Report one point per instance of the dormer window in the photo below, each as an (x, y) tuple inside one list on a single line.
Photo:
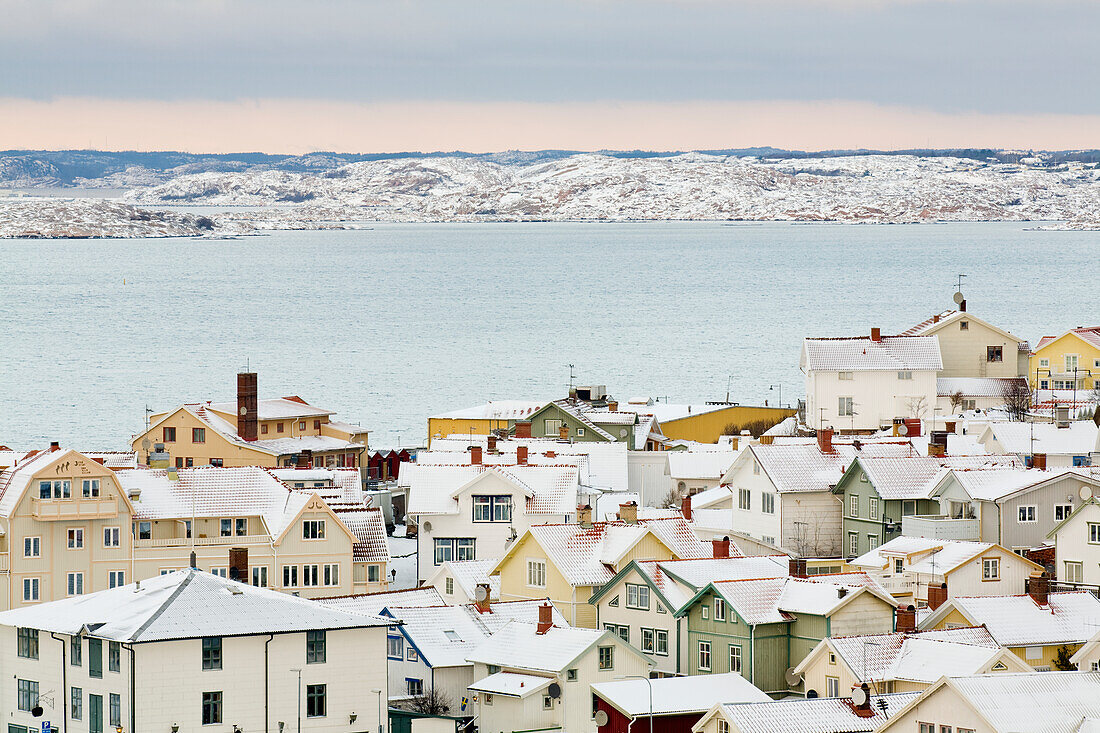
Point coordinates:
[(493, 508)]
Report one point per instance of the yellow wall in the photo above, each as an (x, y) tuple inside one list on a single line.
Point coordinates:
[(707, 427), (1056, 352), (1050, 653), (215, 446), (444, 426)]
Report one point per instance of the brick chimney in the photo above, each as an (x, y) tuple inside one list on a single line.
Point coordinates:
[(305, 458), (876, 334), (483, 602), (685, 507), (937, 595), (491, 443), (521, 455), (1038, 587), (628, 512), (906, 619), (720, 548), (563, 432), (864, 709), (733, 442), (475, 455), (523, 429), (937, 449), (584, 515), (1039, 461), (55, 446), (546, 618), (796, 567), (247, 406), (825, 440)]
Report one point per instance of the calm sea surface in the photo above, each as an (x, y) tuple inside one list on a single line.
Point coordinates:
[(390, 325)]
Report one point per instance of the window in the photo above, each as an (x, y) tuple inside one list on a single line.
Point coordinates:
[(1062, 511), (723, 727), (30, 589), (908, 508), (580, 432), (76, 539), (301, 425), (547, 702), (905, 374), (76, 703), (845, 376), (755, 466), (1094, 533), (32, 546), (411, 655), (115, 709), (832, 687), (607, 657), (571, 675), (991, 568), (316, 424), (54, 489), (662, 642), (217, 462), (227, 528), (114, 656), (899, 565), (145, 530), (212, 652), (278, 427), (264, 429), (744, 499), (211, 708), (494, 668), (240, 526), (447, 548), (853, 505), (623, 632), (414, 686), (75, 584), (1025, 514), (111, 536), (116, 578), (927, 727), (872, 507), (719, 609), (647, 640), (76, 650), (1044, 363), (310, 576), (964, 325), (493, 508), (551, 428), (1074, 571), (735, 658), (853, 544), (313, 529), (316, 706), (179, 463), (395, 647), (374, 574), (90, 488), (259, 576), (27, 695), (331, 574), (872, 542), (169, 435), (1072, 360), (27, 643), (767, 503), (488, 698), (315, 647), (637, 596), (845, 407), (704, 611), (704, 656), (536, 573), (290, 576), (95, 658)]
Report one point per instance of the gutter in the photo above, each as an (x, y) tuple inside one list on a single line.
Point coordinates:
[(64, 683)]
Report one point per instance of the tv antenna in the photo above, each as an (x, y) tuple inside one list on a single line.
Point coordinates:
[(571, 376)]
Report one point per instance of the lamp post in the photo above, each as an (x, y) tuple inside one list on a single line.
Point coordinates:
[(779, 388), (299, 671), (379, 693), (648, 682)]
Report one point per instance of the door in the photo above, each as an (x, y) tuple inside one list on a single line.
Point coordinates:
[(95, 713)]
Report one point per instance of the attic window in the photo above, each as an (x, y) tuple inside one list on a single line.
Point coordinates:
[(964, 325), (452, 635)]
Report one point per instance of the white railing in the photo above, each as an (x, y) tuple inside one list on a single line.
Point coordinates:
[(77, 508), (940, 527), (245, 540)]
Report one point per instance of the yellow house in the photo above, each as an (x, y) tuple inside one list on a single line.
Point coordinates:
[(706, 423), (568, 562), (1059, 360), (283, 431), (481, 419)]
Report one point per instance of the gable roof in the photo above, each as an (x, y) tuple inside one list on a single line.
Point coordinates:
[(937, 322), (1070, 617), (433, 487), (676, 581), (467, 574), (372, 604), (1026, 438), (677, 695), (996, 387), (1089, 334), (15, 481), (860, 353), (798, 467), (1001, 485), (914, 477), (577, 410), (518, 645), (938, 557), (817, 715), (274, 408), (493, 410), (699, 464), (184, 604), (1091, 501)]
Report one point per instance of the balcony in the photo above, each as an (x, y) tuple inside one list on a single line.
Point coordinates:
[(898, 585), (53, 510), (940, 527), (236, 541)]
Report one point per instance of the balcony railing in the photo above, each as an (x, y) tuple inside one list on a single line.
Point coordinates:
[(52, 510), (940, 527), (5, 563), (898, 584), (236, 541)]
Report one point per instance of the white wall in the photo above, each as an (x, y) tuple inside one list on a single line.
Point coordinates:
[(879, 397), (1072, 545), (647, 473)]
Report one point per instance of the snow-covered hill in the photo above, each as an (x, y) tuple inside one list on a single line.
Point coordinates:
[(90, 218)]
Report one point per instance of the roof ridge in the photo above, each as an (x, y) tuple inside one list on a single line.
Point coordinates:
[(167, 602)]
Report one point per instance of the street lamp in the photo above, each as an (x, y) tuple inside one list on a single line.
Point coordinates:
[(778, 387), (379, 693), (649, 682), (299, 671)]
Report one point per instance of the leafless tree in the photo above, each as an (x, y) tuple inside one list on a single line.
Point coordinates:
[(957, 400), (1017, 399), (671, 500), (432, 702), (917, 406)]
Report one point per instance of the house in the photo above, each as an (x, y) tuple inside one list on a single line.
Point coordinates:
[(1069, 361), (862, 384), (189, 650), (640, 602), (956, 395), (675, 704), (285, 431), (878, 493), (694, 471), (1044, 629), (707, 422), (427, 650), (903, 661), (1076, 543), (569, 562), (974, 348), (921, 569), (760, 628), (481, 419), (539, 676), (815, 715), (592, 417), (457, 580), (1044, 444), (1054, 702), (372, 604), (474, 510)]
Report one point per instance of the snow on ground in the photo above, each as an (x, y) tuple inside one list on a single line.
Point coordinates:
[(405, 566), (51, 218)]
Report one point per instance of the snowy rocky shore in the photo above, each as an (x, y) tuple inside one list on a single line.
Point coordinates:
[(51, 218)]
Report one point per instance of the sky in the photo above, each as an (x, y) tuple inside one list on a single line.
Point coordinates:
[(487, 75)]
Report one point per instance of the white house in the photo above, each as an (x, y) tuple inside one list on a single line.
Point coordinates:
[(457, 580), (1077, 544), (695, 471), (815, 715), (863, 383), (1044, 444), (190, 651)]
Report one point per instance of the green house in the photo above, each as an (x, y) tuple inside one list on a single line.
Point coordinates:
[(580, 421)]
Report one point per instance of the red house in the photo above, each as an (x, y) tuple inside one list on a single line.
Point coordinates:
[(677, 703)]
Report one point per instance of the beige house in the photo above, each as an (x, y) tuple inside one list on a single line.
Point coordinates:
[(72, 526), (971, 347), (190, 651), (1077, 544)]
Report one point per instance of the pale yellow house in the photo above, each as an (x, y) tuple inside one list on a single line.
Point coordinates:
[(1058, 361), (973, 348), (481, 419)]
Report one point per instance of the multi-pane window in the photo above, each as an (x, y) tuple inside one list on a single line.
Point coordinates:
[(316, 703), (198, 435), (704, 656), (116, 578), (723, 727), (395, 647), (259, 576), (332, 574), (95, 658), (845, 407), (662, 642), (290, 576), (845, 376), (76, 650), (994, 353), (832, 687), (872, 541), (169, 435), (414, 687), (26, 695), (492, 508), (76, 539), (310, 575), (76, 703), (110, 536), (719, 609), (735, 658), (313, 529), (607, 657), (115, 702), (449, 584), (90, 488), (1062, 511), (1074, 571), (27, 643), (648, 640), (114, 656), (637, 596), (144, 530), (227, 528), (899, 565), (536, 573), (30, 589), (872, 507), (75, 584), (853, 505), (853, 543), (991, 568), (374, 574), (212, 652), (1025, 514), (241, 526), (55, 489), (1094, 533), (744, 499), (32, 546), (464, 548), (551, 428), (315, 647), (767, 503), (211, 708), (905, 375)]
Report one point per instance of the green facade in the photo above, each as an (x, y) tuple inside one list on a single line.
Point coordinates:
[(553, 412), (870, 530)]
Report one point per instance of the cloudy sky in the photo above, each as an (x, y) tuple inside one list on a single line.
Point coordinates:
[(382, 75)]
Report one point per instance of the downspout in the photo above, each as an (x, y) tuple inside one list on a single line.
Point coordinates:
[(64, 683), (679, 644), (133, 687), (752, 650), (267, 710)]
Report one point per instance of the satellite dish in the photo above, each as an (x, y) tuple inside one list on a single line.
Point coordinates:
[(554, 690), (244, 411), (427, 526), (36, 711), (600, 718), (958, 298), (1085, 493), (482, 593), (859, 697), (903, 429), (146, 445), (793, 678)]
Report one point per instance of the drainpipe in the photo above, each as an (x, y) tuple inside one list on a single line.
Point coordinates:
[(64, 683), (679, 644), (752, 650), (133, 687), (267, 711)]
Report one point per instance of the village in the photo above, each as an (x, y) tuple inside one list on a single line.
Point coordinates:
[(908, 543)]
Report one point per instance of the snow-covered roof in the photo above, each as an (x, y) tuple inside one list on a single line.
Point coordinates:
[(817, 715), (1039, 702), (773, 600), (996, 387), (113, 459), (604, 467), (994, 485), (678, 580), (15, 480), (369, 528), (1089, 334), (798, 467), (274, 408), (493, 410), (1025, 438), (372, 604), (1070, 617), (930, 325), (580, 411), (315, 443), (925, 554), (517, 645), (891, 353), (699, 464), (914, 477), (184, 604), (511, 684), (922, 656), (677, 695), (334, 485), (470, 573), (433, 488)]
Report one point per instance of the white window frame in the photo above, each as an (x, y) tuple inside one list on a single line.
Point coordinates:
[(313, 529), (311, 575), (744, 499), (330, 574), (1062, 511), (1074, 571), (991, 568), (872, 542), (290, 576), (1026, 514), (704, 654), (905, 375), (116, 578), (832, 687), (112, 536), (634, 596), (719, 609), (845, 376), (75, 538), (767, 502), (846, 406), (259, 576), (89, 488), (74, 583), (853, 544), (31, 590), (648, 640), (536, 572), (32, 547), (853, 506), (735, 658), (872, 507)]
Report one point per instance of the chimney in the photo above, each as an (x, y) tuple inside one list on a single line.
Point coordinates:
[(685, 508), (733, 442), (825, 440), (247, 406), (521, 455), (950, 426), (936, 318), (936, 449), (720, 548), (864, 709), (475, 455), (841, 592), (1039, 461), (55, 446), (194, 562), (796, 567), (937, 595), (912, 427), (906, 619), (876, 334), (563, 432), (584, 515), (523, 429), (546, 618), (1038, 587), (305, 458), (482, 601), (613, 406), (491, 443), (962, 306), (628, 512)]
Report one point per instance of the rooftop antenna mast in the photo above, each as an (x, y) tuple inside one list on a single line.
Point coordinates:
[(571, 376), (959, 281)]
